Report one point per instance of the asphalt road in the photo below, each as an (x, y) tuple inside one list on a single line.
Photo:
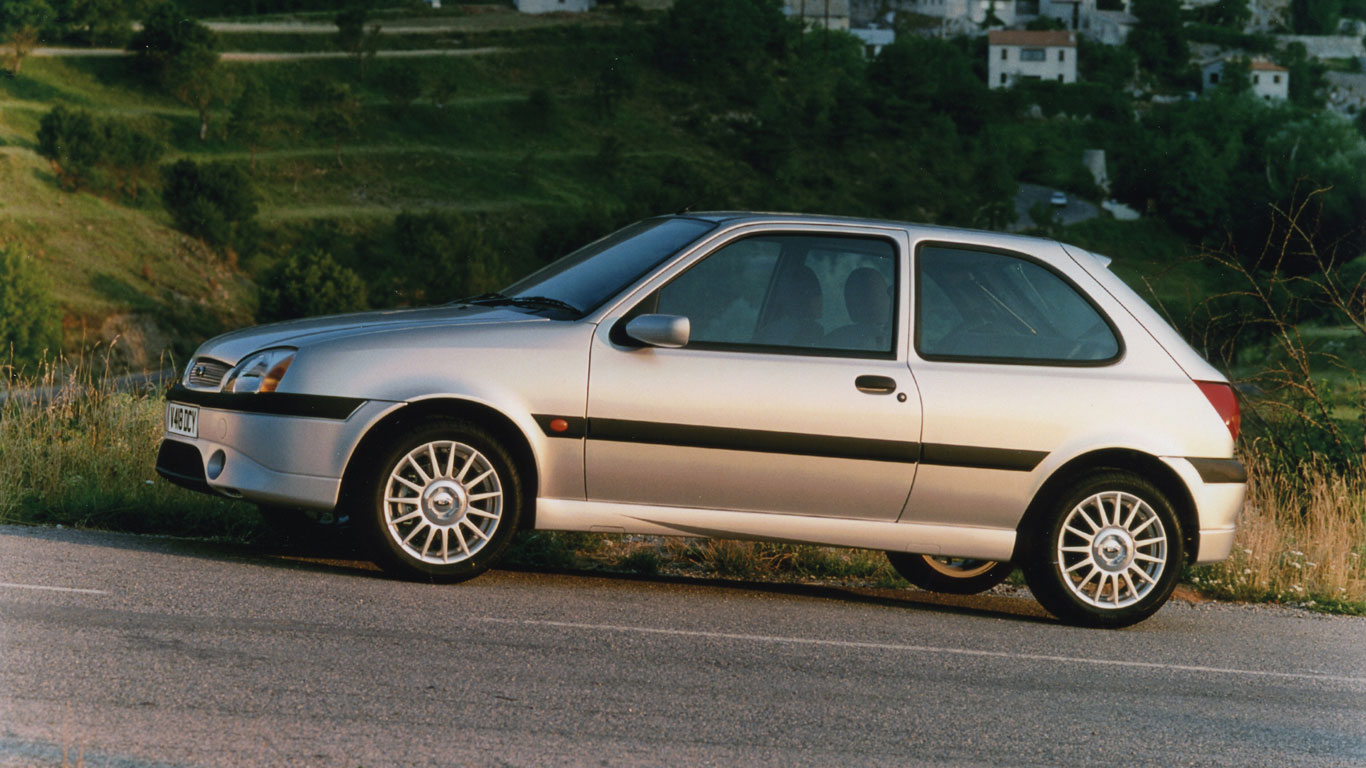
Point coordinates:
[(1074, 212), (136, 651)]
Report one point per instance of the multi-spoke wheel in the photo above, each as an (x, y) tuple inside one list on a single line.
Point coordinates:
[(446, 503), (955, 575), (1111, 552)]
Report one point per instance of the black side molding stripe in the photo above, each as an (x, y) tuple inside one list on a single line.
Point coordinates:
[(274, 403), (791, 443), (1008, 459), (761, 441), (1220, 470)]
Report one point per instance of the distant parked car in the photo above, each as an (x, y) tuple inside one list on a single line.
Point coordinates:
[(1058, 198), (966, 401)]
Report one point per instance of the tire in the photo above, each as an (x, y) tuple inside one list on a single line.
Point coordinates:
[(1107, 554), (441, 503), (954, 575)]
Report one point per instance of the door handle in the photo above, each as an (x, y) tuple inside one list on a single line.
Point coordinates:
[(875, 385)]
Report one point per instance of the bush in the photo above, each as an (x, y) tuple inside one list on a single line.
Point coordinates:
[(439, 257), (214, 202), (30, 321), (307, 284), (87, 152)]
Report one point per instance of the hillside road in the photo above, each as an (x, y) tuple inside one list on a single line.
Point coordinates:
[(142, 651)]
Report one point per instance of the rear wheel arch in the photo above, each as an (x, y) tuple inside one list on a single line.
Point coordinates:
[(1145, 465), (413, 415)]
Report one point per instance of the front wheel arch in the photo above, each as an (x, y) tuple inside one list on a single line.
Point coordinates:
[(1142, 464), (414, 414)]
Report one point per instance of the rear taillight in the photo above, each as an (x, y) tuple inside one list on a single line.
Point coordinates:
[(1220, 395)]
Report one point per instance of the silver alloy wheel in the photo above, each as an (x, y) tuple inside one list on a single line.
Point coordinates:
[(1112, 550), (959, 567), (442, 502)]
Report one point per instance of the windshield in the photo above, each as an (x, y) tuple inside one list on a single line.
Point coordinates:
[(600, 270)]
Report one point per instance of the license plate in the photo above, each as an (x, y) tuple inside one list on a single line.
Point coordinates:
[(182, 420)]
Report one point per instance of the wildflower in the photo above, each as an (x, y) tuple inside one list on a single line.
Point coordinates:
[(1247, 571), (1296, 553), (1247, 551), (1296, 566), (1309, 564)]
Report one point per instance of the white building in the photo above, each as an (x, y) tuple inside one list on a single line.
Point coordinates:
[(1269, 81), (830, 14), (1021, 54), (554, 6)]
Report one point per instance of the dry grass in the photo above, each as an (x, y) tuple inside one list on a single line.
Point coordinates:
[(1302, 539)]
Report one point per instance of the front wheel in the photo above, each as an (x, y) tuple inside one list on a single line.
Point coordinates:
[(442, 503), (1109, 554), (954, 575)]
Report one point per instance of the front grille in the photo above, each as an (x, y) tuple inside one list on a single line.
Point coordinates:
[(206, 374)]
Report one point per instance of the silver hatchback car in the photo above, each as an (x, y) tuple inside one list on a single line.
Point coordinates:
[(966, 401)]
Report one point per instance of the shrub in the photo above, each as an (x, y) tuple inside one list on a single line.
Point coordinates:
[(440, 257), (309, 283), (72, 142), (214, 202), (87, 152), (30, 321)]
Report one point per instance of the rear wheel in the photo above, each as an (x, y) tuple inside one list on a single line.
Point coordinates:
[(442, 502), (1109, 553), (955, 575)]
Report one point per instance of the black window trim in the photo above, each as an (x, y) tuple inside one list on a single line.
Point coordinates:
[(1035, 361), (618, 330)]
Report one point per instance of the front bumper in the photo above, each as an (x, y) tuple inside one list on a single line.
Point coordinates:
[(284, 451)]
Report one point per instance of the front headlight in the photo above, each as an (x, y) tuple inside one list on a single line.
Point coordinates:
[(260, 371)]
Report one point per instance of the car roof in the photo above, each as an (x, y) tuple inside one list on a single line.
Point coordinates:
[(918, 231)]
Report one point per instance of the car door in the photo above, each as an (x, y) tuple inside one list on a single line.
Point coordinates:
[(1013, 360), (793, 394)]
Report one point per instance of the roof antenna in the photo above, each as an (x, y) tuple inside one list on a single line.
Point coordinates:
[(685, 209)]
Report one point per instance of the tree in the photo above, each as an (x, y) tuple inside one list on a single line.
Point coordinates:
[(30, 321), (1307, 80), (307, 284), (250, 112), (735, 43), (1315, 17), (166, 33), (354, 39), (1158, 38), (336, 111), (1237, 75), (20, 23), (214, 202), (197, 81)]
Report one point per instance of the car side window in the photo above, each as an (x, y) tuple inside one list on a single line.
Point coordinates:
[(984, 305), (805, 294)]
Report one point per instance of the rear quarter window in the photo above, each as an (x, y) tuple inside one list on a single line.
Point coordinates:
[(977, 305)]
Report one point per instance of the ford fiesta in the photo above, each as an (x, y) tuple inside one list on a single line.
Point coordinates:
[(965, 401)]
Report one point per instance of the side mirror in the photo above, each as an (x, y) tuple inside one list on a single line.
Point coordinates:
[(669, 331)]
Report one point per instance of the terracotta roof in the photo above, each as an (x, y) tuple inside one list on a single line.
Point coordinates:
[(1265, 66), (1043, 38)]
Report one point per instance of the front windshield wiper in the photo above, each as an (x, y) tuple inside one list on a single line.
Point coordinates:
[(525, 302)]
